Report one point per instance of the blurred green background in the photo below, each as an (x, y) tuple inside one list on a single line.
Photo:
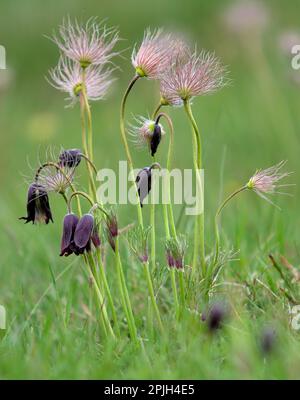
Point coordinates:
[(253, 123)]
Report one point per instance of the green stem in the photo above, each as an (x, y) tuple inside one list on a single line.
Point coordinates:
[(87, 144), (181, 288), (152, 296), (198, 166), (107, 290), (77, 194), (124, 294), (174, 288), (125, 143), (100, 298), (168, 207), (236, 192), (152, 224)]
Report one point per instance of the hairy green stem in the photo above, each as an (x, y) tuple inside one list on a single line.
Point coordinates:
[(108, 292), (152, 296), (199, 237), (125, 143), (124, 294)]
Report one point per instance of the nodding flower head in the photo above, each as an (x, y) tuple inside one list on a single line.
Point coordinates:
[(67, 241), (192, 75), (266, 181), (67, 77), (147, 133), (138, 242), (70, 158), (87, 44), (83, 233), (38, 207), (112, 230), (78, 234), (175, 250), (144, 180), (155, 54)]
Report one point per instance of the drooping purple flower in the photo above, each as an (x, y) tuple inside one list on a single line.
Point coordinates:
[(192, 75), (266, 181), (87, 44), (67, 77), (147, 133), (70, 158), (67, 241), (38, 207), (143, 182), (155, 54), (83, 233)]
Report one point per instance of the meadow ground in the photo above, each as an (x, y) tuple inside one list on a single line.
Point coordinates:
[(52, 329)]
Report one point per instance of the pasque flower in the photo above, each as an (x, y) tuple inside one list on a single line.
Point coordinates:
[(70, 158), (87, 44), (192, 75), (147, 133), (266, 181), (155, 54), (78, 234), (67, 77), (38, 207)]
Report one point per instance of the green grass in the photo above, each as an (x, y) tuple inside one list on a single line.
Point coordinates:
[(52, 327)]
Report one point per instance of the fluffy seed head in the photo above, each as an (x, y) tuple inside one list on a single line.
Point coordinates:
[(192, 75), (56, 180), (266, 181), (87, 44), (144, 131), (67, 77), (155, 54)]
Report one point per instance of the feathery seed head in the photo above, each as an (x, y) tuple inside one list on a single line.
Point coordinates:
[(266, 181), (87, 44), (67, 77), (155, 54), (192, 75), (147, 133)]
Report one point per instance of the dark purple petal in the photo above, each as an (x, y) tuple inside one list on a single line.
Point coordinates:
[(84, 231), (70, 158), (143, 182), (69, 226), (155, 140), (38, 207)]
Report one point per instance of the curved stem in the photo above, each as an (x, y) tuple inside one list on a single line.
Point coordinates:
[(79, 193), (236, 192), (125, 143), (199, 230), (89, 162), (156, 111)]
